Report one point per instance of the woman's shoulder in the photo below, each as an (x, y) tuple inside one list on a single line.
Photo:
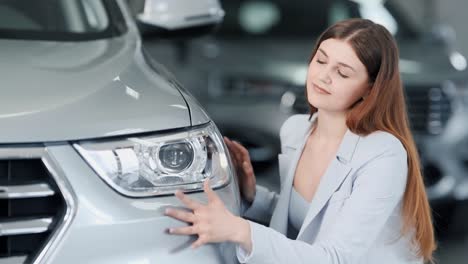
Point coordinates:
[(294, 125), (380, 160), (383, 140), (380, 143)]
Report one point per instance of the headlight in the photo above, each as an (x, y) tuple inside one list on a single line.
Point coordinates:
[(160, 164)]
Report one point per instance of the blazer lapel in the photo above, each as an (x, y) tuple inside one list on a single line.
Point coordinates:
[(279, 219), (331, 180), (337, 171)]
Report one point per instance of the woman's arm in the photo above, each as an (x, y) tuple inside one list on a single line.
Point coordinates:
[(261, 209), (378, 188)]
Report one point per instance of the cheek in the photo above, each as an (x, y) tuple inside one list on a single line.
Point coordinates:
[(312, 69), (351, 93), (311, 75), (348, 93)]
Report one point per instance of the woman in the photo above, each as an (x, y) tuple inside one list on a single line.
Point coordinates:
[(351, 186)]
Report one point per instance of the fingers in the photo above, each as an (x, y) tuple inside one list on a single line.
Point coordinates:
[(202, 218), (228, 142), (180, 215), (235, 153), (185, 230), (232, 146), (190, 230), (243, 163), (240, 153), (212, 196), (186, 200), (231, 150), (200, 242), (243, 151), (248, 168)]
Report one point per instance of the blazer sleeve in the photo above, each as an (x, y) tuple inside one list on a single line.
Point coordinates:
[(378, 189), (262, 207)]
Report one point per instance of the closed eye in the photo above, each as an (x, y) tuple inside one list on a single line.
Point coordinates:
[(342, 75)]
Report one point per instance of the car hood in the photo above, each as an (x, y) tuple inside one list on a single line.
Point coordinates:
[(55, 91), (420, 62)]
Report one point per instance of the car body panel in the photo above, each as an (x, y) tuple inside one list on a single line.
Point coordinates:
[(67, 91), (111, 228)]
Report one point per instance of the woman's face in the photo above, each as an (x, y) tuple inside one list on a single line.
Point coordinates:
[(336, 78)]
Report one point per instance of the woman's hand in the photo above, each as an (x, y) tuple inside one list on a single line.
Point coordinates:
[(211, 222), (244, 169)]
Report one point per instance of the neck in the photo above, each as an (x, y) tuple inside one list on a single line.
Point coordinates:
[(330, 126)]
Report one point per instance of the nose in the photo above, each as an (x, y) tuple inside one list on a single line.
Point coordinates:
[(324, 75)]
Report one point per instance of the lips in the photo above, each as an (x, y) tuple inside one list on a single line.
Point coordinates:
[(320, 90)]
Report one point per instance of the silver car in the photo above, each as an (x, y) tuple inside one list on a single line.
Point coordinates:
[(96, 137)]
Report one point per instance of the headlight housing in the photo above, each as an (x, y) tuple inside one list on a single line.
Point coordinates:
[(160, 164)]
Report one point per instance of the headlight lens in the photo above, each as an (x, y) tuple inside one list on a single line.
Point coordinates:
[(158, 165)]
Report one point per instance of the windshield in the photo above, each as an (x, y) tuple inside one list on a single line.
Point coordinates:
[(60, 19), (306, 18)]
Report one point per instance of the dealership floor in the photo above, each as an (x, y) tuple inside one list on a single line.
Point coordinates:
[(450, 250)]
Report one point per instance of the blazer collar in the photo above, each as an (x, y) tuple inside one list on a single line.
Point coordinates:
[(331, 180), (347, 147), (335, 174), (348, 144)]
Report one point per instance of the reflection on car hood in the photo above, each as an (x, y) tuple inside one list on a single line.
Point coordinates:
[(55, 91), (288, 59)]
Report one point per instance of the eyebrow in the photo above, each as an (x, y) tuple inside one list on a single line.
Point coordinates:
[(341, 63)]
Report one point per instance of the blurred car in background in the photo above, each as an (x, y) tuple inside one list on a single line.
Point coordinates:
[(96, 136), (250, 77)]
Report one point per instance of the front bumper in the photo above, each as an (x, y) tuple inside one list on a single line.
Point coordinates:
[(106, 227)]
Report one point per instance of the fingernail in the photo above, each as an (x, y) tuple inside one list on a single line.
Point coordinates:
[(167, 211), (170, 230)]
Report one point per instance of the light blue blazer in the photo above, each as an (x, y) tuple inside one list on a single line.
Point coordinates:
[(355, 215)]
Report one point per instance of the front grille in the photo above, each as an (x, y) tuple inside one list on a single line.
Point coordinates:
[(429, 108), (31, 208)]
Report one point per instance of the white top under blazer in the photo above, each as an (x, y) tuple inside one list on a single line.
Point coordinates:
[(355, 215)]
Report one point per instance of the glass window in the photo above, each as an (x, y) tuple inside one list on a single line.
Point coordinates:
[(60, 19)]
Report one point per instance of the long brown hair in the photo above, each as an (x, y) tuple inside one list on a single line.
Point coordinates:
[(384, 109)]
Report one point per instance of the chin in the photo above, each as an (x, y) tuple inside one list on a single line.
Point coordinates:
[(316, 103)]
